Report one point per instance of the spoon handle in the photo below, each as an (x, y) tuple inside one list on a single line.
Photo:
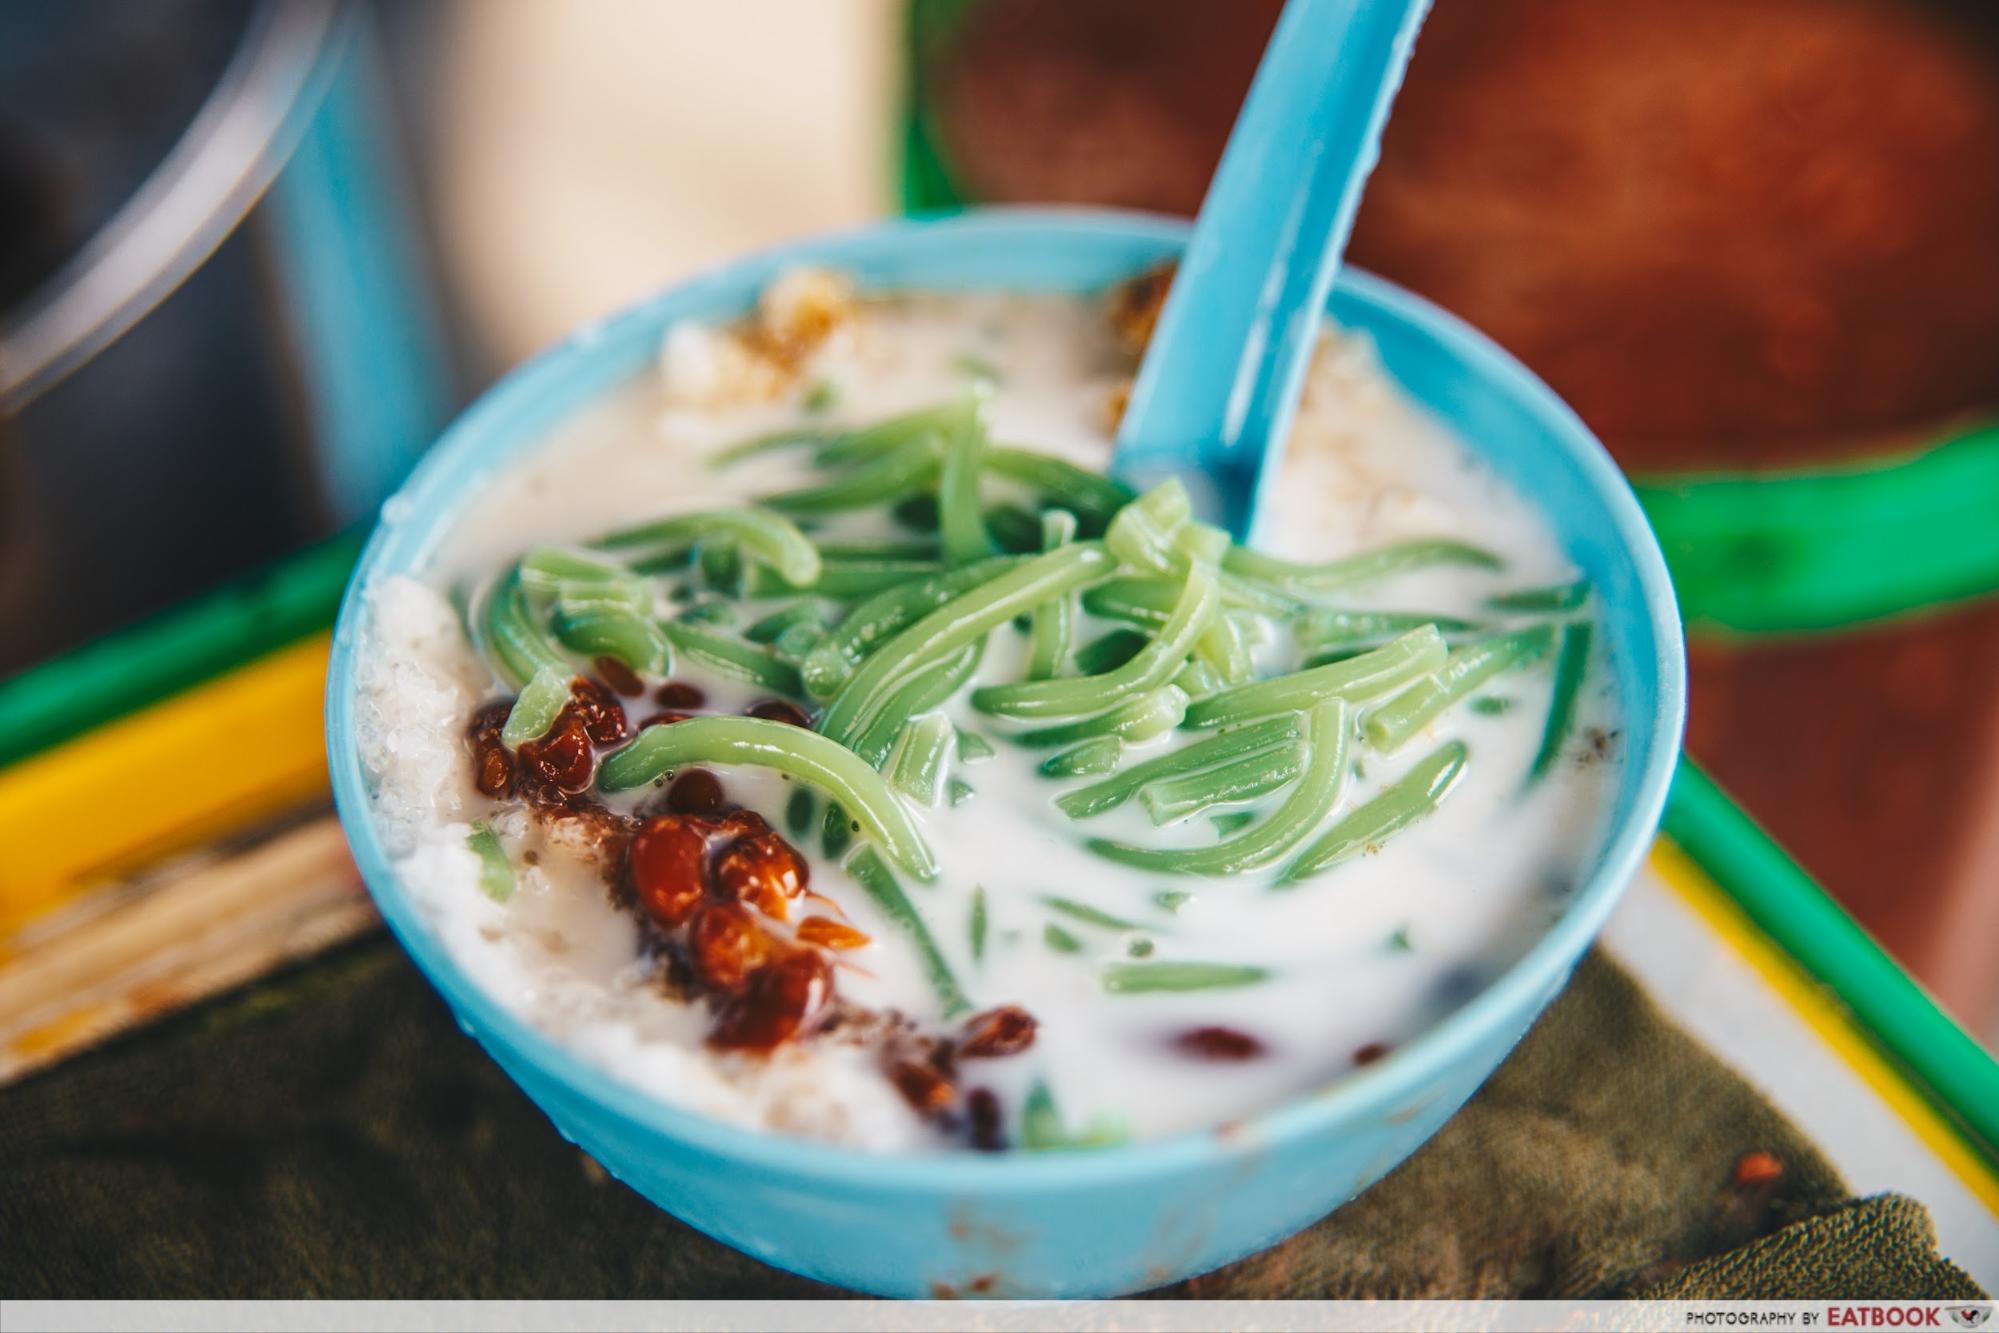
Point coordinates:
[(1215, 396)]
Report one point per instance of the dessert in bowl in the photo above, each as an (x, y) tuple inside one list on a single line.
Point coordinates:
[(899, 850)]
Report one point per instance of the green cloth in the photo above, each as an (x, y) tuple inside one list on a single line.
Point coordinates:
[(331, 1133)]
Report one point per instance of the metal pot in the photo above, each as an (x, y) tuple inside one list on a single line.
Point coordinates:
[(225, 346)]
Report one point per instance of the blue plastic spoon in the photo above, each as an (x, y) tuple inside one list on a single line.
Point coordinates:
[(1214, 398)]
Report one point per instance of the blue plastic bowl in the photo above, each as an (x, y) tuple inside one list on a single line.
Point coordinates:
[(1113, 1220)]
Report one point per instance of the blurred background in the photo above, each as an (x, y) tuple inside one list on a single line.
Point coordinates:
[(253, 255)]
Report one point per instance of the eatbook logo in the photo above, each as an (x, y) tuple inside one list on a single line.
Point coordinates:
[(1969, 1316)]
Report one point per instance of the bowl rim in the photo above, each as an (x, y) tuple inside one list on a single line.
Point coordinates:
[(1387, 1084)]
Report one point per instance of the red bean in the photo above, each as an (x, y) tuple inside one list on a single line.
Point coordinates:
[(696, 792), (619, 676), (678, 694), (742, 822), (1007, 1030), (780, 710), (563, 759), (668, 863), (785, 1000), (492, 762), (727, 946), (761, 868), (1218, 1043), (603, 717)]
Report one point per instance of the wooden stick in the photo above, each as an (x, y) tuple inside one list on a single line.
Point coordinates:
[(177, 939)]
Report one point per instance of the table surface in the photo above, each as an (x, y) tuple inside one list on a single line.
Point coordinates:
[(1723, 980)]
